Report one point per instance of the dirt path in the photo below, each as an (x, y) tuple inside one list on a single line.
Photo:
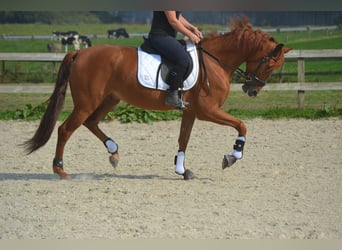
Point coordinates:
[(287, 186)]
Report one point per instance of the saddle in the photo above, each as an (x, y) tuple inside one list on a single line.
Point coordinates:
[(153, 68)]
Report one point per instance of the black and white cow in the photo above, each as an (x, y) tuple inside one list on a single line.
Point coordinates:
[(121, 32), (58, 35), (73, 40), (85, 41), (76, 40)]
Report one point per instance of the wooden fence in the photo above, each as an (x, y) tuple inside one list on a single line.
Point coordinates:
[(31, 57), (295, 55), (301, 86)]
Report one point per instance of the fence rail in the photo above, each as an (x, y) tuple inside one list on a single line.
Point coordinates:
[(306, 55), (32, 57), (295, 55)]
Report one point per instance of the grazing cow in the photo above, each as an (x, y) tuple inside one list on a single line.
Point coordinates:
[(71, 41), (121, 32), (85, 41), (71, 38), (76, 40), (59, 35)]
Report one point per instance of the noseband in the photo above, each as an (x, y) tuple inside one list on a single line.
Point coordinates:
[(251, 79)]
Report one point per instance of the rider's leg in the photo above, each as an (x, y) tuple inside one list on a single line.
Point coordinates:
[(175, 80), (171, 49)]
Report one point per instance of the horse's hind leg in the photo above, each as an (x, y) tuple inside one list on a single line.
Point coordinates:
[(92, 124), (64, 132)]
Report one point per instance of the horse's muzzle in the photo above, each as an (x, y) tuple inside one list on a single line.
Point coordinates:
[(250, 90)]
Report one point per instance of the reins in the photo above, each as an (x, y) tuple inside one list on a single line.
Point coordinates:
[(202, 66)]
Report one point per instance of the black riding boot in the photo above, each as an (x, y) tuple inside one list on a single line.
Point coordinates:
[(175, 96)]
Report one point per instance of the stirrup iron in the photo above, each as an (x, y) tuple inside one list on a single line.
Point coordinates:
[(182, 104)]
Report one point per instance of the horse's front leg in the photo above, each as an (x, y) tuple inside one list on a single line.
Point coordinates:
[(230, 159), (220, 117), (183, 139)]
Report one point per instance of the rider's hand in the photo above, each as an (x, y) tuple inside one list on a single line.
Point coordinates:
[(198, 33), (195, 38)]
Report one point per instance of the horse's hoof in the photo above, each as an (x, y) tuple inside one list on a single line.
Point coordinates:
[(228, 161), (188, 175), (114, 159), (60, 171)]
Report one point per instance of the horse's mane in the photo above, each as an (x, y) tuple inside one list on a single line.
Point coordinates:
[(243, 34)]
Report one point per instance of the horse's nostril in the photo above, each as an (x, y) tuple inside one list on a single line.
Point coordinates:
[(244, 88), (253, 93)]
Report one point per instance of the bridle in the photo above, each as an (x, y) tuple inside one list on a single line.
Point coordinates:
[(252, 79)]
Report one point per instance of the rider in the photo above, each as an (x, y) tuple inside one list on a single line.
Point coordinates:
[(162, 37)]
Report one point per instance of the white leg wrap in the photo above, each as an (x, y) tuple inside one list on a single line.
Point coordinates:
[(179, 164), (111, 146), (238, 153)]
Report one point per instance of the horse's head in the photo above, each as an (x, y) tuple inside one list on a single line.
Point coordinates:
[(260, 51), (259, 69)]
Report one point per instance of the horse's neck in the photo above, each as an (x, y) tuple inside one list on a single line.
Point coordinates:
[(228, 52)]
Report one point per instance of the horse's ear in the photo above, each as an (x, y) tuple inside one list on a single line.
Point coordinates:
[(280, 48), (277, 49), (285, 50)]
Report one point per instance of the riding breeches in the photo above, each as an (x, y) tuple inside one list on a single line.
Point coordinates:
[(172, 50)]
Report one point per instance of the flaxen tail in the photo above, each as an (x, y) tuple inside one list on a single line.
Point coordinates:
[(55, 105)]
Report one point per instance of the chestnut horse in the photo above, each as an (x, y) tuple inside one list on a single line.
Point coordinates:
[(101, 76)]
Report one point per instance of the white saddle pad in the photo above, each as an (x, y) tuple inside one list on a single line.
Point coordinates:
[(148, 65)]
